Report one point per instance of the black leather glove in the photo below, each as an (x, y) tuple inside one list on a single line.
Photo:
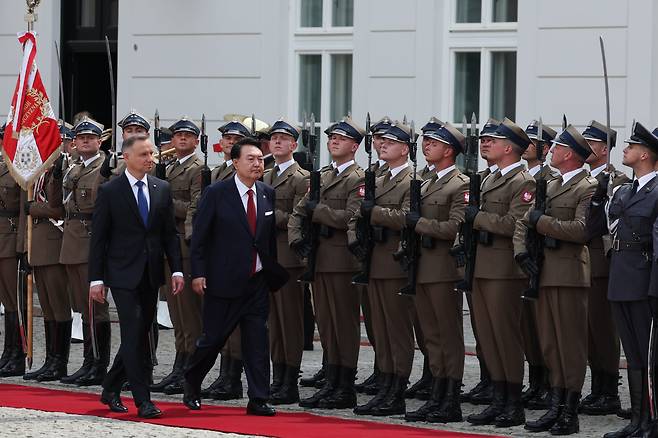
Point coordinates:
[(534, 217), (58, 172), (601, 192), (459, 254), (526, 263), (106, 169), (411, 219), (358, 250), (26, 207), (23, 264), (302, 249), (367, 207), (471, 212), (309, 207)]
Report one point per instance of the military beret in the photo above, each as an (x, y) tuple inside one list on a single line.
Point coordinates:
[(87, 125), (284, 127), (450, 135), (381, 126), (489, 128), (547, 133), (571, 138), (434, 124), (184, 125), (348, 128), (398, 132), (513, 132), (641, 135), (599, 132), (133, 118), (234, 128)]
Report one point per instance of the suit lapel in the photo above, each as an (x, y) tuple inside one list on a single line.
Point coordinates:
[(154, 197), (440, 183), (392, 183), (642, 193), (128, 193), (242, 216), (278, 180), (563, 188), (501, 180), (338, 178)]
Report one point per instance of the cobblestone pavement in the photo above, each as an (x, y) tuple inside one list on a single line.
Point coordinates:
[(58, 424)]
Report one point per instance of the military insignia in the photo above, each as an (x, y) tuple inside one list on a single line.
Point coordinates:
[(467, 197), (83, 193), (362, 191), (527, 196)]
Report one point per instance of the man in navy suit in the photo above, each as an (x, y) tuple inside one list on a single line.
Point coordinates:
[(133, 228), (234, 266)]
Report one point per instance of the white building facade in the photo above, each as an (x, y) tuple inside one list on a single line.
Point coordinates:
[(420, 58)]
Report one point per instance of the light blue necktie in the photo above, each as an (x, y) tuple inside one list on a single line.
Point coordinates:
[(142, 205)]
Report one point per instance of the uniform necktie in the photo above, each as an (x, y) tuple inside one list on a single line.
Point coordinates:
[(636, 184), (276, 171), (251, 220), (497, 174), (387, 177), (142, 205)]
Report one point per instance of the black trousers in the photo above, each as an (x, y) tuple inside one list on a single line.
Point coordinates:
[(136, 309), (220, 317), (633, 319)]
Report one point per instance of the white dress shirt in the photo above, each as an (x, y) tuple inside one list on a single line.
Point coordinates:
[(88, 161), (567, 176), (242, 190), (343, 166), (441, 173), (504, 171), (185, 158), (284, 166), (643, 180), (595, 172), (394, 172)]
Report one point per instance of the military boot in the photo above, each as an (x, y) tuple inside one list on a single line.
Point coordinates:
[(385, 382), (278, 373), (638, 389), (595, 390), (330, 385), (546, 421), (369, 381), (88, 357), (394, 402), (513, 413), (421, 389), (608, 401), (6, 350), (177, 383), (488, 416), (450, 410), (219, 381), (98, 368), (345, 395), (15, 365), (288, 392), (432, 405), (317, 379), (567, 422), (176, 373), (61, 350), (49, 331), (232, 387), (482, 393)]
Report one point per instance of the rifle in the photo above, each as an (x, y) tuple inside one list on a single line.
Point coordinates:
[(311, 230), (161, 167), (363, 228), (205, 172), (468, 236), (113, 96), (409, 252), (534, 240)]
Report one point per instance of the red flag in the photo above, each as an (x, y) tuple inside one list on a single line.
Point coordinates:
[(31, 137)]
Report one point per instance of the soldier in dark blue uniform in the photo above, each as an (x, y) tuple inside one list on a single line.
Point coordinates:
[(632, 214)]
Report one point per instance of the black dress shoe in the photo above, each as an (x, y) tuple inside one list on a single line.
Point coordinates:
[(113, 401), (260, 407), (148, 410), (191, 397)]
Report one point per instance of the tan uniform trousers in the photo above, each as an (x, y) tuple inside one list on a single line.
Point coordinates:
[(185, 311), (286, 322), (78, 277), (603, 339), (562, 323), (392, 320), (530, 334), (440, 313), (337, 312), (52, 288), (498, 318), (8, 271)]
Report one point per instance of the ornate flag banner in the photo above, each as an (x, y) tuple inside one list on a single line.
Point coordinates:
[(31, 137)]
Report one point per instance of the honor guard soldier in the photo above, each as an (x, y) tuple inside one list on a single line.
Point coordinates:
[(49, 274), (536, 396), (429, 170), (481, 393), (378, 130), (443, 200), (12, 361), (336, 300), (392, 314), (603, 339), (506, 196), (286, 320), (264, 136), (564, 279), (228, 384), (184, 177), (81, 184), (631, 221), (132, 124)]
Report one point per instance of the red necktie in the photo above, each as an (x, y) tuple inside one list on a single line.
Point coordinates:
[(251, 219)]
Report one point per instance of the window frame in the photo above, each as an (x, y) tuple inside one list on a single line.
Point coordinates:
[(326, 29), (486, 23)]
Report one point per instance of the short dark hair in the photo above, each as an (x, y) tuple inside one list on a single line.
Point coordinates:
[(236, 150), (130, 141)]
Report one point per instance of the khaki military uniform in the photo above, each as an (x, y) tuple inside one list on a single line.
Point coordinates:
[(82, 184), (286, 320), (438, 307), (10, 195), (184, 308), (222, 172), (392, 315), (603, 339), (336, 300), (497, 287), (379, 169), (565, 277)]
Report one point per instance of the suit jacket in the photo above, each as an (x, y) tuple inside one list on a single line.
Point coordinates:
[(504, 201), (568, 265), (443, 202), (290, 187), (122, 246), (222, 243)]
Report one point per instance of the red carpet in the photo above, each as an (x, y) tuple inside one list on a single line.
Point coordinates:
[(218, 418)]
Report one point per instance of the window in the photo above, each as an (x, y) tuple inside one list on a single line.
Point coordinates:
[(310, 84), (311, 13), (486, 11), (311, 94), (504, 11), (326, 13), (503, 85), (341, 86), (467, 84), (469, 11)]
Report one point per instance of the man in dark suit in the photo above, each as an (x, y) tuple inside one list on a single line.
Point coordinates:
[(233, 257), (133, 228)]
